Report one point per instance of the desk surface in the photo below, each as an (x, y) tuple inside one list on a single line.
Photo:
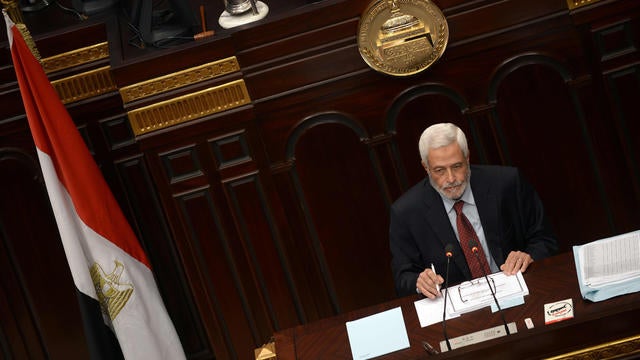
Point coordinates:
[(597, 327)]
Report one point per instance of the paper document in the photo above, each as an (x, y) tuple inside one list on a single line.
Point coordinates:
[(430, 310), (608, 267), (377, 334), (610, 260), (473, 295)]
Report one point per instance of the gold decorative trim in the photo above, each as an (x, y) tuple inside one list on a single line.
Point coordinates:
[(579, 3), (28, 39), (13, 10), (85, 85), (266, 352), (179, 79), (626, 346), (188, 107), (76, 57)]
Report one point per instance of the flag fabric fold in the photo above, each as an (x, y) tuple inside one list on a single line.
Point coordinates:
[(109, 267)]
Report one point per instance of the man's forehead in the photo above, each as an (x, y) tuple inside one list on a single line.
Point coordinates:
[(445, 155)]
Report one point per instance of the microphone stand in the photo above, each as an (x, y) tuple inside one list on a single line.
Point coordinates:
[(449, 253), (474, 250)]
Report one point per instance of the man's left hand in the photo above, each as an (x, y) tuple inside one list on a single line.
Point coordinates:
[(516, 261)]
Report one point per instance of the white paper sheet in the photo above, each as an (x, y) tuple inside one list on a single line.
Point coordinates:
[(430, 310), (377, 334)]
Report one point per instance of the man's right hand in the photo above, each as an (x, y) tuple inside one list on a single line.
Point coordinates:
[(428, 283)]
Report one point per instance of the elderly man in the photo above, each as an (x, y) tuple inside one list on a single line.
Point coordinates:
[(489, 218)]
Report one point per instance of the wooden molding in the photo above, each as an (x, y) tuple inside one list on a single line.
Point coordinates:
[(188, 107), (179, 79), (579, 3), (76, 57), (85, 85), (626, 346)]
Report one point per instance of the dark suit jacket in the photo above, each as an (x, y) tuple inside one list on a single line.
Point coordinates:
[(510, 210)]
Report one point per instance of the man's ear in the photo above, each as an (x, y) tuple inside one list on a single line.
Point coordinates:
[(426, 168)]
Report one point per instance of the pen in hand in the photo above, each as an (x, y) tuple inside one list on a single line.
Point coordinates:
[(433, 268)]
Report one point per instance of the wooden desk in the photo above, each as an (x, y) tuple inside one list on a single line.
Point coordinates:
[(597, 329)]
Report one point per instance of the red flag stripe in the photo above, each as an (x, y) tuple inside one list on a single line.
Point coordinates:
[(107, 263), (102, 215)]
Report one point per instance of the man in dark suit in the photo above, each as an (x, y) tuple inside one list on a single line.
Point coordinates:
[(505, 212)]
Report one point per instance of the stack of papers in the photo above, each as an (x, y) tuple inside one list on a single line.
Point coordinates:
[(609, 267), (473, 295), (476, 294)]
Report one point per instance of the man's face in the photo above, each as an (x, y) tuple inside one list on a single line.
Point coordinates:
[(448, 170)]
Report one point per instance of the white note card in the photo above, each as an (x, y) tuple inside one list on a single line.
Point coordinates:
[(430, 311), (377, 334)]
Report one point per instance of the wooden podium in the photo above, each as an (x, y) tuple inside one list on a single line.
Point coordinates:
[(599, 330)]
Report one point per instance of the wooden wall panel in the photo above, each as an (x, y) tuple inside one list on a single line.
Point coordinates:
[(138, 186), (36, 281), (621, 86), (614, 42), (543, 131), (274, 214), (264, 250), (335, 171), (215, 274), (306, 273)]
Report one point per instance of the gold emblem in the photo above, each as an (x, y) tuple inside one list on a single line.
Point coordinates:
[(402, 37), (112, 294)]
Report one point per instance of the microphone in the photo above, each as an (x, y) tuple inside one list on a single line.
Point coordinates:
[(448, 251), (474, 249)]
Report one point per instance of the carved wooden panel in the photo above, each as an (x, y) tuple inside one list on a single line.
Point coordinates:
[(335, 169), (615, 43), (36, 290), (551, 149), (274, 213)]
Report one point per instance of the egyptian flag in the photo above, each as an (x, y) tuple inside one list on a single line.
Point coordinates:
[(123, 313)]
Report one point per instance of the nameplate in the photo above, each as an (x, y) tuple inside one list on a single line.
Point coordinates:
[(478, 336)]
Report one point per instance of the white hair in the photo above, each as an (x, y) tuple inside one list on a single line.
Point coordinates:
[(439, 135)]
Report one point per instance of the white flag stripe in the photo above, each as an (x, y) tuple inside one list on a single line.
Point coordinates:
[(84, 247), (70, 227), (106, 260), (10, 24)]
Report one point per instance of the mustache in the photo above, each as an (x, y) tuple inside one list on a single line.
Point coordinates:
[(453, 184)]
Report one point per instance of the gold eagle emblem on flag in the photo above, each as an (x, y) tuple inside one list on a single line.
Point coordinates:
[(112, 294)]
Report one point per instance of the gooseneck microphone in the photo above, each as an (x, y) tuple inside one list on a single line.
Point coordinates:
[(448, 251), (474, 249)]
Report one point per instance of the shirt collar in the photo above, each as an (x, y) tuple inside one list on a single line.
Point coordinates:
[(467, 197)]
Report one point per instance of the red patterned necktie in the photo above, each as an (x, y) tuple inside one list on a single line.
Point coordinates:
[(466, 234)]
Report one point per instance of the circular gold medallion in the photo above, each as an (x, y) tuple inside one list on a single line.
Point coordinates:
[(402, 37)]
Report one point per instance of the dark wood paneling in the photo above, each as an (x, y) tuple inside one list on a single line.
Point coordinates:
[(622, 87), (551, 150), (274, 214), (38, 296), (334, 172), (133, 174), (263, 247), (213, 271)]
